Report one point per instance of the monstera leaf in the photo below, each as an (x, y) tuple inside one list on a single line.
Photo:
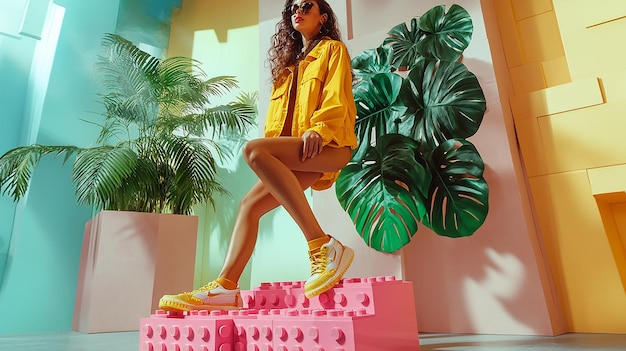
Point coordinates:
[(370, 62), (444, 101), (384, 192), (446, 35), (458, 194), (404, 43), (413, 163), (377, 111)]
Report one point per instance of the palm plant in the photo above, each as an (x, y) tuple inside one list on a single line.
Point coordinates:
[(151, 154), (416, 105)]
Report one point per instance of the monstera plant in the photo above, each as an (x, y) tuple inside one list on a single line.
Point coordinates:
[(416, 105)]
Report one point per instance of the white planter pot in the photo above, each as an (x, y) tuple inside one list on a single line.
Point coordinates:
[(128, 261)]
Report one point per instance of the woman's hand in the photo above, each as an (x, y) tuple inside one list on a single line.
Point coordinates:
[(312, 144)]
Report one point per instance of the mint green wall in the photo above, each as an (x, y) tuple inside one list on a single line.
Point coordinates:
[(226, 43), (41, 237), (38, 289), (13, 78)]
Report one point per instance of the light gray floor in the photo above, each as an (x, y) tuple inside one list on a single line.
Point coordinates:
[(129, 341)]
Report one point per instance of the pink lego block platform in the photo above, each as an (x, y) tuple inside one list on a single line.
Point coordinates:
[(358, 314)]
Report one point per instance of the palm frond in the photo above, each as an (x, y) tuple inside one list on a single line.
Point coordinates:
[(152, 153), (233, 118), (99, 173), (17, 165), (220, 85)]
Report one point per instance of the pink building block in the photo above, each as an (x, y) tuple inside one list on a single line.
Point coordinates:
[(195, 331), (364, 314)]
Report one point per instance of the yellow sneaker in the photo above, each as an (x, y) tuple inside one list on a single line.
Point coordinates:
[(328, 264), (210, 297)]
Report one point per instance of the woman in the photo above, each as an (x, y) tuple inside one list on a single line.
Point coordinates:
[(309, 137)]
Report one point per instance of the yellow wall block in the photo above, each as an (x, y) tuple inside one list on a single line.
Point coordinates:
[(529, 138), (574, 124), (605, 11), (556, 72), (617, 237), (527, 78), (606, 180), (588, 281), (540, 38), (566, 97), (586, 138), (608, 186), (614, 84), (596, 50), (570, 18), (508, 31), (574, 15), (528, 8)]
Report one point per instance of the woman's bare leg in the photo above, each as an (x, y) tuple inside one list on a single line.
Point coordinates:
[(275, 160), (253, 206)]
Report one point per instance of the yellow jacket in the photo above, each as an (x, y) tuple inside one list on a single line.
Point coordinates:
[(324, 101)]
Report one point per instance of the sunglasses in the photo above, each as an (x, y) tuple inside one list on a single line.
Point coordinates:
[(304, 7)]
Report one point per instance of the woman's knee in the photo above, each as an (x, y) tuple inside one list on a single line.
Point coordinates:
[(251, 150)]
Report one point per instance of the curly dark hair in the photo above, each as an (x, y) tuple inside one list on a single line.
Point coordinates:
[(287, 42)]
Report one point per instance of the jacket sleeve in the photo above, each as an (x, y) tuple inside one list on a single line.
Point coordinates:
[(336, 111)]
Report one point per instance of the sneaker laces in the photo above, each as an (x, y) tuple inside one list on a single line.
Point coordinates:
[(209, 286), (319, 260)]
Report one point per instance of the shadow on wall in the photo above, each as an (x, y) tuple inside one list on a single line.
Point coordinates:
[(146, 21), (220, 16), (485, 283), (488, 282), (4, 259)]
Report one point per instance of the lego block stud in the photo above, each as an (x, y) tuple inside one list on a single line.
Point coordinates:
[(341, 299), (204, 333), (240, 331), (323, 298), (148, 346), (363, 298), (303, 301), (280, 333), (224, 331), (175, 331), (189, 333), (338, 335), (296, 334), (253, 332), (290, 300), (240, 346), (224, 347), (248, 301), (267, 332), (148, 331), (314, 334), (162, 331)]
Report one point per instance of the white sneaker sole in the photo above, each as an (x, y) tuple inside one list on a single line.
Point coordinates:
[(344, 264)]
